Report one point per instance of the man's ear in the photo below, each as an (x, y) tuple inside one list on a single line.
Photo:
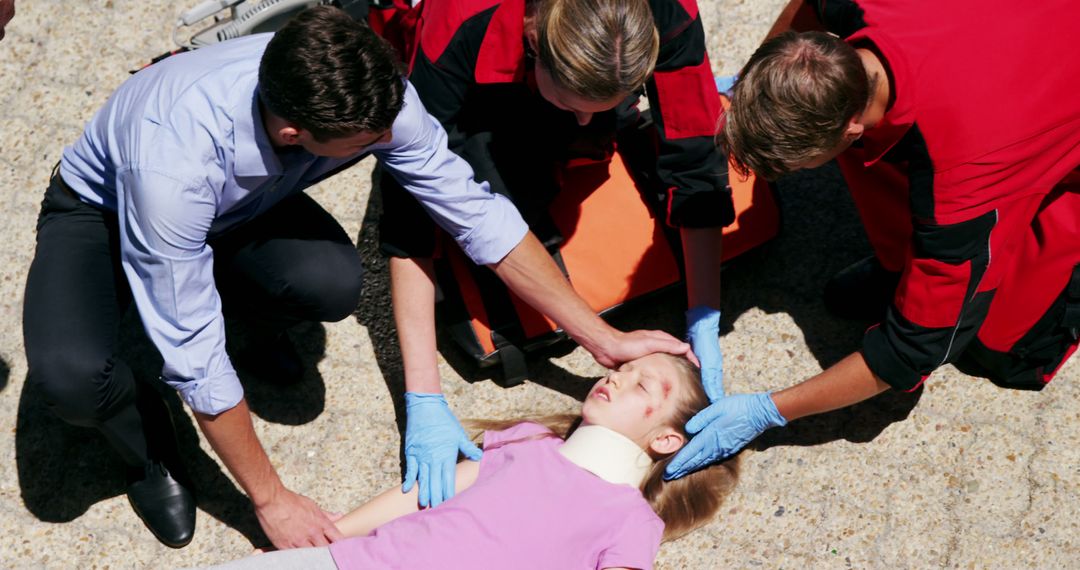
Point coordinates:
[(290, 134), (667, 441), (854, 130)]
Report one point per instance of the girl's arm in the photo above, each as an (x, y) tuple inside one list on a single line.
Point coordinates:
[(392, 503)]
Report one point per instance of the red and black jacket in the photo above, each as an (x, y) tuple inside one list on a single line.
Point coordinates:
[(467, 44), (983, 114)]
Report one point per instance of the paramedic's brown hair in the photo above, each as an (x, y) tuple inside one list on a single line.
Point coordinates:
[(597, 49), (792, 102), (683, 504)]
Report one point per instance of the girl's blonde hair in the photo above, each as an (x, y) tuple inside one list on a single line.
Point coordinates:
[(597, 49), (683, 504)]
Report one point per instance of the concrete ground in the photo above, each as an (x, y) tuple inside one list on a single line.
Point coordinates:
[(959, 475)]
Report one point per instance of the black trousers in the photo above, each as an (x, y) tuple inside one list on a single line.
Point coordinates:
[(293, 263)]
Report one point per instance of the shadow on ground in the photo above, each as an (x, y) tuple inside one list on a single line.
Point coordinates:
[(820, 235), (5, 374), (64, 470)]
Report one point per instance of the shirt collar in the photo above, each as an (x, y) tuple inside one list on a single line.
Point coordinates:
[(900, 116), (607, 454), (253, 152)]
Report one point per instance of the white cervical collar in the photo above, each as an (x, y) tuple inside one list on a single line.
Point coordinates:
[(607, 454)]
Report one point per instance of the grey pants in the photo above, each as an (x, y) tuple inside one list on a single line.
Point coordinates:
[(315, 558)]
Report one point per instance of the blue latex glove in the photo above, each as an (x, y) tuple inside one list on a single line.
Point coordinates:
[(703, 334), (722, 429), (433, 438), (725, 83)]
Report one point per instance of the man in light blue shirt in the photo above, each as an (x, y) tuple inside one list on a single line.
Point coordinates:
[(184, 194)]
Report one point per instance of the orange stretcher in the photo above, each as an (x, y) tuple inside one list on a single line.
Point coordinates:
[(615, 252)]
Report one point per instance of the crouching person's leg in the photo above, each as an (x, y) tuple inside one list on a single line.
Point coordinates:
[(75, 297)]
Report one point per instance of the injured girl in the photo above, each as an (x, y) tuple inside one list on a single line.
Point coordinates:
[(585, 491)]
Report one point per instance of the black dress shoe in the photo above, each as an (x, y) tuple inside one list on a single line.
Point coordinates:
[(861, 291), (273, 359), (165, 505)]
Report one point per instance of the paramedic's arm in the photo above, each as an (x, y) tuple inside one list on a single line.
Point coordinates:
[(731, 422), (392, 504), (412, 292), (798, 15), (7, 12), (841, 17), (490, 231), (412, 280), (163, 245), (935, 312), (701, 247), (685, 107), (845, 383)]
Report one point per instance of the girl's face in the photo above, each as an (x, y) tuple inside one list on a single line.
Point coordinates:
[(638, 400)]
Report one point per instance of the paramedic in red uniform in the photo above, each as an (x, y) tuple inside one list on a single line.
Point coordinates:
[(523, 86), (957, 127)]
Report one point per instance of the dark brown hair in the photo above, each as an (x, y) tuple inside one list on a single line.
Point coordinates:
[(792, 102), (683, 504), (597, 49), (331, 75)]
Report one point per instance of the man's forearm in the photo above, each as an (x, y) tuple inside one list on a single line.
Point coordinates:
[(847, 382), (233, 438), (412, 289), (532, 275), (701, 248)]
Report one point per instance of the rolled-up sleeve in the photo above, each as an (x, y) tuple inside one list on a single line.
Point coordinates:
[(486, 225), (164, 222)]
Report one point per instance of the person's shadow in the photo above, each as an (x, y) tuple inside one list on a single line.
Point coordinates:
[(5, 374), (64, 469), (820, 235)]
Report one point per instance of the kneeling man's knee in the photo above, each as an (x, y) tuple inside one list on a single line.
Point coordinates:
[(327, 286), (82, 390)]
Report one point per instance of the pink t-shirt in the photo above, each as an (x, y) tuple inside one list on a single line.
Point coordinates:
[(530, 507)]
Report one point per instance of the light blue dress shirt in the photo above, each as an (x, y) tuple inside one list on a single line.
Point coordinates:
[(179, 151)]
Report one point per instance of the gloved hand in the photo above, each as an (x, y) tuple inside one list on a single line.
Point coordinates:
[(433, 438), (722, 429), (703, 334)]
